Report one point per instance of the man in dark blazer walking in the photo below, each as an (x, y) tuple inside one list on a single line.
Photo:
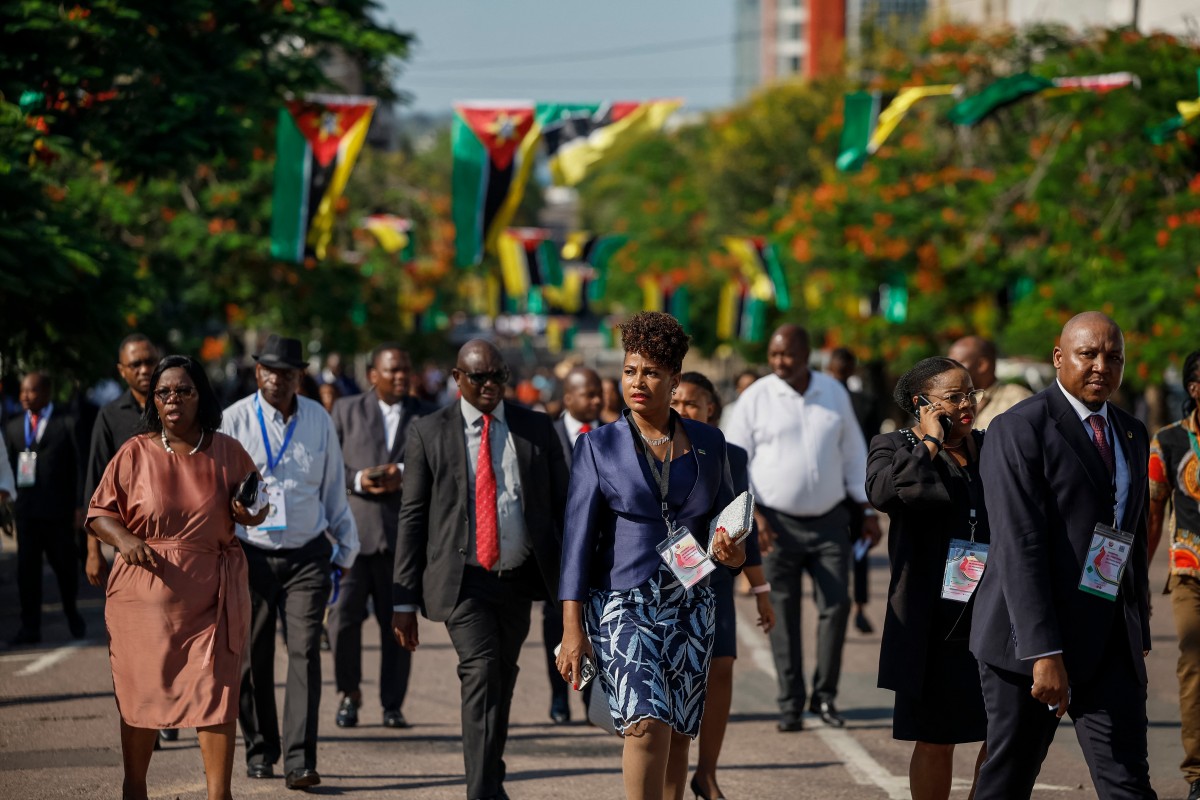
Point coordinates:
[(43, 449), (583, 397), (373, 428), (480, 537), (1058, 626)]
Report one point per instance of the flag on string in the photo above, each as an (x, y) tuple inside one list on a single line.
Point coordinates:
[(394, 234), (578, 135), (317, 141), (890, 117), (528, 259), (759, 264), (860, 115), (1006, 91), (493, 146), (1100, 84)]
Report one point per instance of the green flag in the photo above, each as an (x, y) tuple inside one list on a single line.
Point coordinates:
[(1003, 92), (859, 118)]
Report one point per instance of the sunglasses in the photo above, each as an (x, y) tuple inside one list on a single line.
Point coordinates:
[(499, 377), (182, 392)]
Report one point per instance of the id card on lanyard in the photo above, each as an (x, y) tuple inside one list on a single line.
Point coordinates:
[(27, 458), (276, 506), (966, 559), (1108, 554)]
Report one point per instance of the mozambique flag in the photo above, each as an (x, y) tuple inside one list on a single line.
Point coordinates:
[(394, 234), (528, 259), (760, 269), (866, 127), (597, 252), (317, 142), (995, 96), (493, 156), (578, 135)]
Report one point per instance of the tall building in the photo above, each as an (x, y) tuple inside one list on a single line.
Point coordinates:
[(1175, 16)]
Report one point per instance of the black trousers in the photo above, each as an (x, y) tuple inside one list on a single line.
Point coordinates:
[(552, 633), (821, 547), (53, 539), (370, 577), (487, 627), (1109, 712), (860, 567), (297, 581)]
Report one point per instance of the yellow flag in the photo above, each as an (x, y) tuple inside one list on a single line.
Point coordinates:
[(572, 164), (320, 230), (514, 267), (890, 117), (1188, 109), (727, 310)]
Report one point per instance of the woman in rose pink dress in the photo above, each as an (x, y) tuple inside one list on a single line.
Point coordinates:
[(178, 599)]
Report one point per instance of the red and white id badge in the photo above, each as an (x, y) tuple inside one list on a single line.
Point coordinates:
[(685, 558), (1105, 562), (965, 562), (26, 469)]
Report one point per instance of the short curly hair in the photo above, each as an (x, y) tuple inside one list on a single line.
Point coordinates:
[(656, 336)]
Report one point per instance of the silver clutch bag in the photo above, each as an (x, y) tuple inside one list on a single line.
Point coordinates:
[(737, 519)]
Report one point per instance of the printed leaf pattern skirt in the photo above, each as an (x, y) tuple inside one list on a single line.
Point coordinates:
[(653, 645)]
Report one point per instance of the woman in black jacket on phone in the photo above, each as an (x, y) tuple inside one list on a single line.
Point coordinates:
[(926, 478)]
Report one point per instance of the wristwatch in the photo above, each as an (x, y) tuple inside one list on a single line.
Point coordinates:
[(936, 441)]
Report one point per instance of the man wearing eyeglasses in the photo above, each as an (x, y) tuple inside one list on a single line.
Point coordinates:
[(485, 487), (978, 357), (118, 422)]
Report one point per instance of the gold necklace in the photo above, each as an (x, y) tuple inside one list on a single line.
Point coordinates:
[(167, 445)]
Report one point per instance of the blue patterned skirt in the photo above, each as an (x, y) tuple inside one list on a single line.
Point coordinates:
[(653, 645)]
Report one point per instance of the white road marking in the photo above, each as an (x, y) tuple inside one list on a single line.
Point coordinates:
[(861, 765), (19, 656), (47, 660)]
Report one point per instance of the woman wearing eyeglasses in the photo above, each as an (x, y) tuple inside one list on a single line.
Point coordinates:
[(926, 478), (646, 485), (178, 601)]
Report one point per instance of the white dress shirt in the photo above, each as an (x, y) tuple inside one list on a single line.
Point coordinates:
[(311, 472), (515, 546), (807, 453), (574, 428), (391, 424)]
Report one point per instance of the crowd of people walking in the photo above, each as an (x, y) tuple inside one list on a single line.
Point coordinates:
[(1019, 529)]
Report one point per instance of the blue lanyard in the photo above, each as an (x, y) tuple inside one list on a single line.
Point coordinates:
[(272, 463)]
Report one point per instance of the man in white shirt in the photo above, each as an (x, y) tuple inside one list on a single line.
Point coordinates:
[(807, 455), (295, 447)]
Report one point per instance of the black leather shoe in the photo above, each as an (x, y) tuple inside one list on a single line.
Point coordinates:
[(560, 711), (790, 723), (347, 714), (260, 771), (76, 625), (863, 624), (168, 735), (302, 778), (828, 713), (394, 719), (23, 637), (1194, 791)]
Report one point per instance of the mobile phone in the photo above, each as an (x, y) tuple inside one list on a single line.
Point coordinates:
[(945, 421), (247, 491), (587, 669), (376, 473)]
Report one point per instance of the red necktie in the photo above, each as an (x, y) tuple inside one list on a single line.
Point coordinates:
[(33, 423), (1106, 453), (585, 428), (487, 543)]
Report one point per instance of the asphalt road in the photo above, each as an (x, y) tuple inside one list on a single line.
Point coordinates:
[(59, 734)]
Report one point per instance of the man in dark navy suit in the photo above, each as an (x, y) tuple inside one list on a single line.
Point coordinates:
[(1050, 636), (583, 397)]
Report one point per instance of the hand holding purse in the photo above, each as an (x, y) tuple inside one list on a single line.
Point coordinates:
[(737, 519)]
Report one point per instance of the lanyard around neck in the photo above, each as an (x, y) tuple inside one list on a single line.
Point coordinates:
[(661, 477), (272, 463)]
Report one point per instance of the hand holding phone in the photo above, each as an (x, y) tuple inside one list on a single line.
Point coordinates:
[(926, 407)]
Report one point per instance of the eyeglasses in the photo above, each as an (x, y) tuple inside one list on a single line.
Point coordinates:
[(145, 362), (499, 377), (182, 392), (960, 398)]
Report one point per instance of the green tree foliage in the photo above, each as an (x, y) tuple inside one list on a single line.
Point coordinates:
[(135, 176)]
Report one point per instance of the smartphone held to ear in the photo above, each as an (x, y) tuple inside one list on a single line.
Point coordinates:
[(945, 421)]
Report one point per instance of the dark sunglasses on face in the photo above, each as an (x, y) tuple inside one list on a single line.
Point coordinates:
[(499, 377), (182, 392), (145, 362)]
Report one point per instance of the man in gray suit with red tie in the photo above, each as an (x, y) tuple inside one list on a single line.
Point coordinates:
[(1061, 621), (373, 428), (480, 538)]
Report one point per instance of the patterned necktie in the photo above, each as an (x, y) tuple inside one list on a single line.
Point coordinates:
[(1106, 453), (585, 428), (487, 543)]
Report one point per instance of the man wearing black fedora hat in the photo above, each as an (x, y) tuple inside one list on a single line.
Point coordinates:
[(308, 537)]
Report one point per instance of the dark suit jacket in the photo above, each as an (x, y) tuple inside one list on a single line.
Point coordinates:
[(117, 423), (1047, 487), (431, 549), (56, 492), (614, 518), (360, 429), (560, 428)]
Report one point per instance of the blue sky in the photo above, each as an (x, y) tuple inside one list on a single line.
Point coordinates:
[(677, 48)]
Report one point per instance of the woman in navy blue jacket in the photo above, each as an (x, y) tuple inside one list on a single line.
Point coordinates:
[(651, 636)]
